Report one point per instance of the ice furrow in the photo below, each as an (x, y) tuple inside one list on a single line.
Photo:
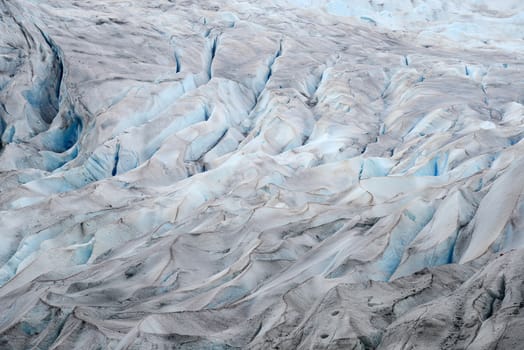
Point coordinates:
[(213, 43), (271, 62)]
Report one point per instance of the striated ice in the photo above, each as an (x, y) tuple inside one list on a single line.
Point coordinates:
[(287, 174)]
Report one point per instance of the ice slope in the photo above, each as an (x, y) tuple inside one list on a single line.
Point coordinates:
[(477, 23), (208, 174)]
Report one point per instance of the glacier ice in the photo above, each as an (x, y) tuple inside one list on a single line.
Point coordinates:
[(283, 174)]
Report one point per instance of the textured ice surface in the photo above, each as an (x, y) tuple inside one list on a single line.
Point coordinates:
[(246, 174)]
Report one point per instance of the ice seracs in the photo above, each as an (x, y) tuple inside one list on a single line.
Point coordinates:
[(253, 175)]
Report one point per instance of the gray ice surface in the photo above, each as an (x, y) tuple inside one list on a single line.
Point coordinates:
[(261, 174)]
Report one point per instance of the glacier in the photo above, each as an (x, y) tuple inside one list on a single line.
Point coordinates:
[(287, 174)]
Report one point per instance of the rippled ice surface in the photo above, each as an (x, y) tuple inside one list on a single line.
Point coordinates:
[(268, 175)]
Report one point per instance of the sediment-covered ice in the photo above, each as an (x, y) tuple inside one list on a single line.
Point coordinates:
[(242, 174)]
